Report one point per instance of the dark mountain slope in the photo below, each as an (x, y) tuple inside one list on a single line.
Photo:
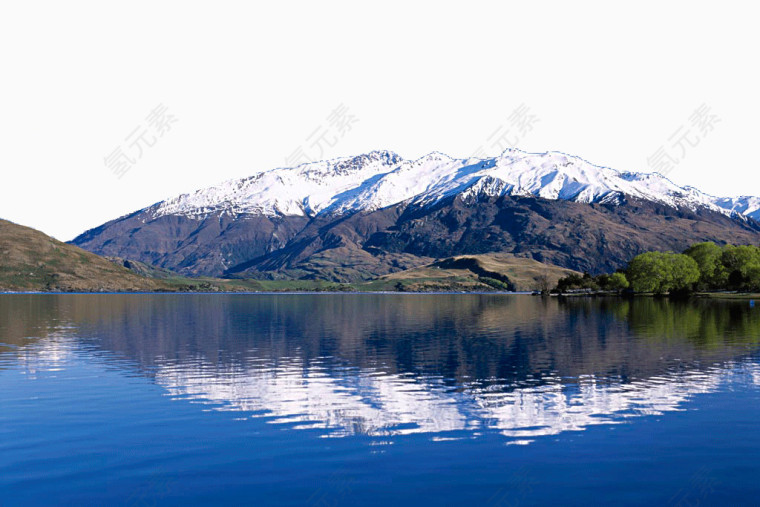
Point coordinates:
[(590, 237), (585, 237), (189, 246)]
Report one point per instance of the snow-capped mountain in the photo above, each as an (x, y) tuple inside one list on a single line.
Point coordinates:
[(746, 205), (380, 179), (373, 214)]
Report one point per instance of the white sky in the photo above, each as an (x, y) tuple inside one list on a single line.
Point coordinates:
[(249, 83)]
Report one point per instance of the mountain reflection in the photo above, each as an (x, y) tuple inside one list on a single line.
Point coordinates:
[(378, 404), (389, 365)]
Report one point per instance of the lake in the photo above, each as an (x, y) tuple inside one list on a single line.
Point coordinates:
[(359, 399)]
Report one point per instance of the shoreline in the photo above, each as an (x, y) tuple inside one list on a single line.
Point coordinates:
[(700, 295), (283, 292), (696, 295)]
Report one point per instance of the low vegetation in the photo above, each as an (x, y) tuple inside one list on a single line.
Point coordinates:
[(701, 267), (586, 283)]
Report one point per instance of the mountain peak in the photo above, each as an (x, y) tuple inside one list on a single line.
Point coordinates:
[(359, 162), (382, 178)]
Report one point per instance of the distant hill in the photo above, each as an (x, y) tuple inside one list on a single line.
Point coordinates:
[(32, 261), (475, 272)]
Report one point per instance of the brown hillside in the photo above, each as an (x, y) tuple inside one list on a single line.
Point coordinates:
[(32, 261)]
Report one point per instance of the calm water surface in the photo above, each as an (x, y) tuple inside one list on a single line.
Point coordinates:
[(377, 399)]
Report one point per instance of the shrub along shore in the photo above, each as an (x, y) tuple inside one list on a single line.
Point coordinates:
[(704, 268)]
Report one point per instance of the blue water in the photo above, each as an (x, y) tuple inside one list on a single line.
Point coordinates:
[(377, 399)]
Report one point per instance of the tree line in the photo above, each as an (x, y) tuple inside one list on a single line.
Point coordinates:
[(701, 267)]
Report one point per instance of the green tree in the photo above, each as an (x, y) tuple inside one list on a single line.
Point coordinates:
[(753, 278), (712, 273), (574, 282), (662, 272), (648, 272), (617, 281), (742, 263), (684, 272)]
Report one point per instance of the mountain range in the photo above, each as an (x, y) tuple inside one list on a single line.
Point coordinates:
[(358, 218)]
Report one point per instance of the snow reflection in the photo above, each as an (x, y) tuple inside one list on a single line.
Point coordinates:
[(353, 401)]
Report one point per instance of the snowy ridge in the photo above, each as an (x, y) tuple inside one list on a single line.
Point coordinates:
[(746, 205), (381, 178)]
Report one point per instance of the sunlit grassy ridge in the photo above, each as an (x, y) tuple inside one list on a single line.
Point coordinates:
[(33, 261)]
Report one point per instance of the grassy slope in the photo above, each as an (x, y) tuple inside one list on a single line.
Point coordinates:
[(523, 274), (31, 260)]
